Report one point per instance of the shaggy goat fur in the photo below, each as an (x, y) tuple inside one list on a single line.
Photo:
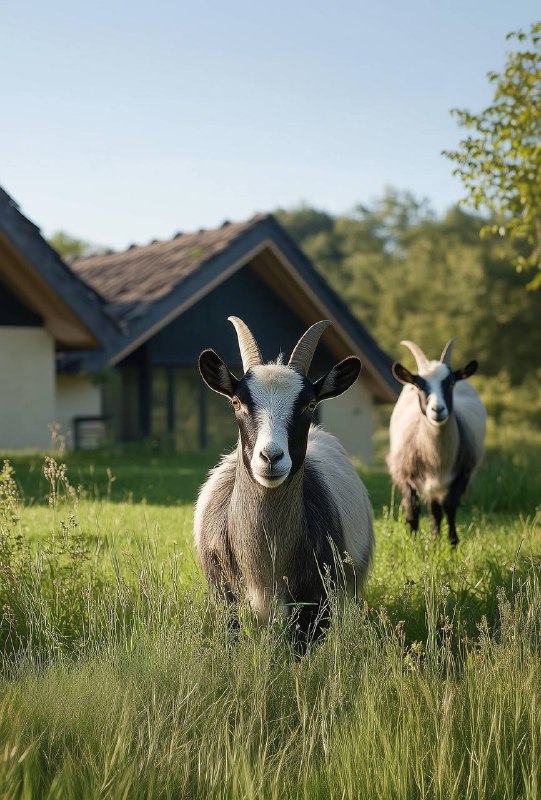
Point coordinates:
[(276, 517), (274, 544), (436, 463)]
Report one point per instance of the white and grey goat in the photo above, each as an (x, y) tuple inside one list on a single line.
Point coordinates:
[(277, 512), (437, 433)]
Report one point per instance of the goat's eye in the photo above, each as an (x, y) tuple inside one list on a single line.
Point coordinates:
[(235, 402), (311, 406)]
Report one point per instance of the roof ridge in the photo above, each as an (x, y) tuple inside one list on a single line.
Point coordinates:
[(253, 220)]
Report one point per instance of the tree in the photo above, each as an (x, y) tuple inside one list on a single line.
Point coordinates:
[(393, 215), (304, 221), (68, 247), (407, 274), (500, 163)]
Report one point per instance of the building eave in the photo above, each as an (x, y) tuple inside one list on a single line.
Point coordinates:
[(265, 239), (73, 312)]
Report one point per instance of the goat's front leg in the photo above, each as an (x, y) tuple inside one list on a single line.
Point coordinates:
[(216, 568), (310, 621), (436, 514), (452, 502), (232, 610), (412, 507)]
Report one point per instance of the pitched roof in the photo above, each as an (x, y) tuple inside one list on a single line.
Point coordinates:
[(34, 271), (146, 287), (143, 274)]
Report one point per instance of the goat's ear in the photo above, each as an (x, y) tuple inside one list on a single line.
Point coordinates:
[(338, 379), (465, 372), (402, 374), (215, 373)]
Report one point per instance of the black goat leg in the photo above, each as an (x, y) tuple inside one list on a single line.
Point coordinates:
[(452, 502), (412, 508), (436, 514)]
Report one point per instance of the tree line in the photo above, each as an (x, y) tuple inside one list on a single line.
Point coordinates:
[(409, 274)]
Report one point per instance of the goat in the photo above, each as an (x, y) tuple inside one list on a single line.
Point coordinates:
[(278, 514), (437, 432)]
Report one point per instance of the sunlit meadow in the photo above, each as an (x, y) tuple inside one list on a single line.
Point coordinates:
[(118, 679)]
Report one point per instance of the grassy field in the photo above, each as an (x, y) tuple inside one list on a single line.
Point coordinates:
[(118, 681)]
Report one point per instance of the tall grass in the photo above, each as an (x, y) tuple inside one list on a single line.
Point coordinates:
[(165, 708), (119, 680)]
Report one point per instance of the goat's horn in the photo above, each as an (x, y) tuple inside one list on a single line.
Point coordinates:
[(304, 350), (447, 352), (420, 357), (249, 351)]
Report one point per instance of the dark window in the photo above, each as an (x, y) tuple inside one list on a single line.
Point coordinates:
[(130, 423), (158, 418), (187, 413), (186, 409)]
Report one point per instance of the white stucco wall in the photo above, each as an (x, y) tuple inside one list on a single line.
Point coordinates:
[(27, 387), (76, 396), (350, 418)]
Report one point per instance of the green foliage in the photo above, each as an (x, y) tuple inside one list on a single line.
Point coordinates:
[(500, 162), (407, 274), (69, 247), (306, 221)]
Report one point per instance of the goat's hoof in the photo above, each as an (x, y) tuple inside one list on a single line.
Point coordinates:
[(412, 528)]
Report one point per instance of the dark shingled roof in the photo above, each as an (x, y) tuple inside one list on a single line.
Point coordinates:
[(143, 286), (146, 273), (79, 298)]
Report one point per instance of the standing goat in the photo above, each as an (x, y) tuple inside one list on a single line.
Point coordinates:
[(276, 516), (437, 433)]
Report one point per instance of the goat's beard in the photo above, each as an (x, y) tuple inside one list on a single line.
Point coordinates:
[(271, 482)]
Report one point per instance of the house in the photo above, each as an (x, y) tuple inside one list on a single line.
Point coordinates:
[(161, 304), (44, 309), (172, 299)]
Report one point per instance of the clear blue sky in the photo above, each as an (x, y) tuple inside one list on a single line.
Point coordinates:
[(127, 121)]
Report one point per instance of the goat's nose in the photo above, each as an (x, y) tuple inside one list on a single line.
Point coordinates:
[(439, 409), (271, 455)]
